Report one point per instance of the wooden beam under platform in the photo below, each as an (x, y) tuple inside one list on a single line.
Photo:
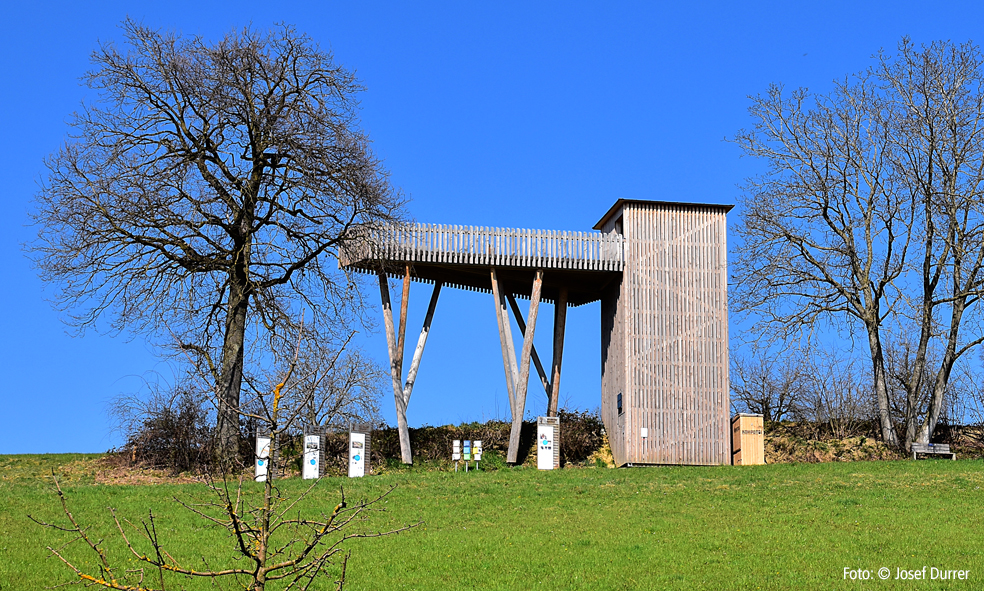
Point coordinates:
[(522, 329)]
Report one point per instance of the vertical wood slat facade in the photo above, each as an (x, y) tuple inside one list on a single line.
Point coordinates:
[(665, 336)]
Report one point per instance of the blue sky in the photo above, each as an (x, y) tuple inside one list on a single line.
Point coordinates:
[(508, 114)]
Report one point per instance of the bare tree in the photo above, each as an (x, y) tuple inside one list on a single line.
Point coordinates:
[(276, 539), (204, 192), (938, 93), (338, 389), (769, 383), (869, 216), (825, 230), (168, 427)]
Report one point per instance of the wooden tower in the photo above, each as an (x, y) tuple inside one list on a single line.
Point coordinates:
[(660, 271), (664, 335)]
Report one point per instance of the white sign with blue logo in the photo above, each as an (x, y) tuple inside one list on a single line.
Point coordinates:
[(357, 455), (262, 458), (545, 447), (312, 457)]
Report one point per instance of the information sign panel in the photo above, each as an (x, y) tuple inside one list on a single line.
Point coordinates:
[(477, 450), (312, 457), (262, 458), (357, 455), (456, 450), (467, 452)]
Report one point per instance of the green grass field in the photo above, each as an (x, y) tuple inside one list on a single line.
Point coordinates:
[(792, 526)]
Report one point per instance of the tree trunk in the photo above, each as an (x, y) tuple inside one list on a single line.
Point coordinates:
[(943, 376), (231, 378), (881, 387)]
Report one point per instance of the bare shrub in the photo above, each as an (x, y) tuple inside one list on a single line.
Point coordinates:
[(171, 429), (581, 434), (837, 395)]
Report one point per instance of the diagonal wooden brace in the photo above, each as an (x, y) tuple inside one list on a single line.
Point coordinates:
[(505, 340), (536, 358), (524, 371)]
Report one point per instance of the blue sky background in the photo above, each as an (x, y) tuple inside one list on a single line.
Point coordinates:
[(507, 114)]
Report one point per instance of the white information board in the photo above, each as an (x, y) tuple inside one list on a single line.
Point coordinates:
[(312, 457), (456, 450), (544, 447), (477, 450), (357, 455), (262, 458)]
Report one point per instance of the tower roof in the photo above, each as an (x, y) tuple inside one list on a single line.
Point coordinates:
[(618, 205)]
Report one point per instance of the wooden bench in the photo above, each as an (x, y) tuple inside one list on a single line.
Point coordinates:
[(932, 449)]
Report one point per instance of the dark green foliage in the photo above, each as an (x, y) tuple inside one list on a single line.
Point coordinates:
[(581, 434), (177, 437)]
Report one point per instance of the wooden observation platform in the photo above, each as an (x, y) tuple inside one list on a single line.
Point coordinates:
[(660, 271)]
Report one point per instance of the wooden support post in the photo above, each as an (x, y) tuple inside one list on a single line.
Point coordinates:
[(536, 358), (395, 345), (403, 314), (505, 340), (524, 370), (396, 368), (560, 325)]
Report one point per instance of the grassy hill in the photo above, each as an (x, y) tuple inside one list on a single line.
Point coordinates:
[(790, 526)]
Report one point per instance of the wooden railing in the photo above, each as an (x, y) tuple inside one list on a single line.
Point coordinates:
[(479, 245)]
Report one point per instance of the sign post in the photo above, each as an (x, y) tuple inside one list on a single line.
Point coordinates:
[(467, 453), (477, 452), (456, 453)]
